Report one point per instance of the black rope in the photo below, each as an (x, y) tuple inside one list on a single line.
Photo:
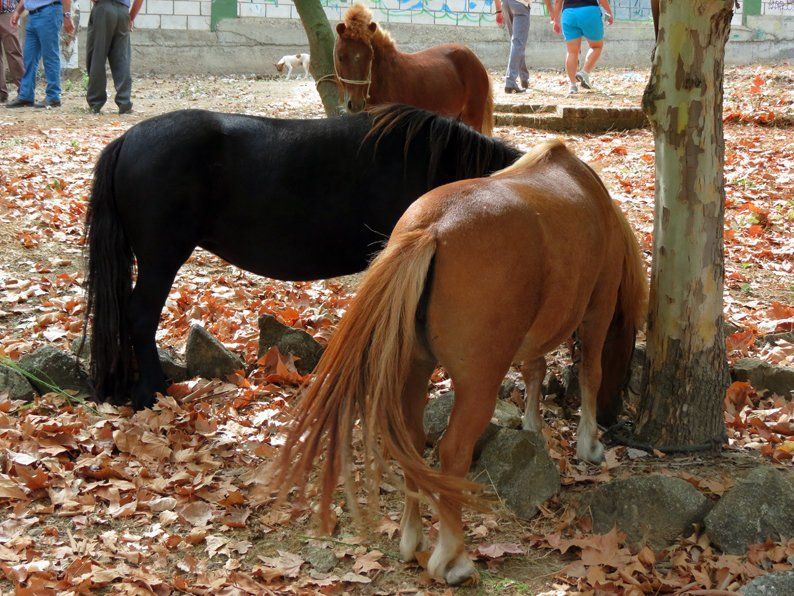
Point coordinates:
[(622, 433)]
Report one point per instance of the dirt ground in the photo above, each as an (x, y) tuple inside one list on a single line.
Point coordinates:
[(46, 158)]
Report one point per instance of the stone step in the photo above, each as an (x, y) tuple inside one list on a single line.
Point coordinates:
[(574, 119), (525, 108)]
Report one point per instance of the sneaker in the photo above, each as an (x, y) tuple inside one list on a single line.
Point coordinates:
[(584, 79), (573, 89), (514, 90), (50, 103), (19, 103)]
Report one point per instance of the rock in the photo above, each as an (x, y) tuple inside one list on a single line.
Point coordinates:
[(437, 413), (206, 357), (14, 385), (513, 382), (506, 414), (652, 509), (174, 367), (780, 583), (761, 375), (56, 368), (518, 466), (436, 416), (773, 338), (570, 380), (289, 341), (322, 560), (758, 508), (554, 386), (74, 347)]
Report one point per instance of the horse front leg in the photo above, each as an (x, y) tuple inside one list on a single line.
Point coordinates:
[(533, 372)]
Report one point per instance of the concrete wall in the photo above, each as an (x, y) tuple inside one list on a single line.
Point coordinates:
[(253, 45)]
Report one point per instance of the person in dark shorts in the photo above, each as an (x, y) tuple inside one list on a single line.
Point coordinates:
[(577, 19), (109, 41)]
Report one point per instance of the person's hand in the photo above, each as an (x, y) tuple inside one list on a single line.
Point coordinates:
[(500, 19), (15, 19), (610, 19), (555, 25), (68, 25), (132, 22)]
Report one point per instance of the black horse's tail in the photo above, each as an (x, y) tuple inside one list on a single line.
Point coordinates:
[(109, 284)]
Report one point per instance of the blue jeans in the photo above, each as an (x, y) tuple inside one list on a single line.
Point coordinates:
[(42, 41), (516, 65)]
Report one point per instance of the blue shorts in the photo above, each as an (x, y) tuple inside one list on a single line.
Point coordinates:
[(582, 21)]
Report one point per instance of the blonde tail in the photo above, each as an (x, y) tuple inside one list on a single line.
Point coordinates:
[(361, 376)]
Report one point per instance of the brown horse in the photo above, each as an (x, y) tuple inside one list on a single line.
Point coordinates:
[(448, 79), (477, 274)]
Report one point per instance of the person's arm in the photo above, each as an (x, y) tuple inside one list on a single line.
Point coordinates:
[(17, 14), (556, 14), (68, 24), (605, 6), (500, 19), (134, 10)]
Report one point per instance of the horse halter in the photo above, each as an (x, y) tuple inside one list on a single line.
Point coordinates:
[(366, 82)]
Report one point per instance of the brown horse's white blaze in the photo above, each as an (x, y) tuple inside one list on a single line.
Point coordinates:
[(477, 274), (448, 79)]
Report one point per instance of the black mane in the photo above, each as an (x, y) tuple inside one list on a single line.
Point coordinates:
[(474, 153)]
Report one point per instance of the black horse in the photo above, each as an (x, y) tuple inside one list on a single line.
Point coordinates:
[(288, 199)]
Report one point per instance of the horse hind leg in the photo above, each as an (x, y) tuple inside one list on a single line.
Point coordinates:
[(475, 399), (143, 312), (414, 399), (533, 372)]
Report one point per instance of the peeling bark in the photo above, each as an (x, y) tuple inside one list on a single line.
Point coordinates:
[(321, 47), (686, 368)]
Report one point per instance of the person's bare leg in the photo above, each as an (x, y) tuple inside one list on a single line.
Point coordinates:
[(593, 54), (572, 59)]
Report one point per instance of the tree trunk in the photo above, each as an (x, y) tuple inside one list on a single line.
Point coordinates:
[(687, 371), (321, 47)]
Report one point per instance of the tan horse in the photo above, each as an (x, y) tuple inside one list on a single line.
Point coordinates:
[(448, 79), (477, 274)]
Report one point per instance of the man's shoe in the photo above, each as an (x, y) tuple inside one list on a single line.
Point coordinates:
[(525, 84), (19, 103), (3, 99), (514, 90), (50, 103), (125, 110)]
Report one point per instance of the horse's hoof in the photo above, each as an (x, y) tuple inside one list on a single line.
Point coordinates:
[(460, 570), (593, 453)]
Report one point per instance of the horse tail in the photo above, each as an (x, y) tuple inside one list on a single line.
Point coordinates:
[(629, 316), (361, 376), (487, 118), (108, 283)]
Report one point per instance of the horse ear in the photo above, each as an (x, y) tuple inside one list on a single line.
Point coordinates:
[(372, 27), (340, 28)]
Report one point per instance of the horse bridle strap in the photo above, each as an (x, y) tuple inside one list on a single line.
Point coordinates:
[(366, 82)]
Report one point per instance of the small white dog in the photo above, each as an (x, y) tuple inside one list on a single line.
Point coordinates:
[(293, 61)]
